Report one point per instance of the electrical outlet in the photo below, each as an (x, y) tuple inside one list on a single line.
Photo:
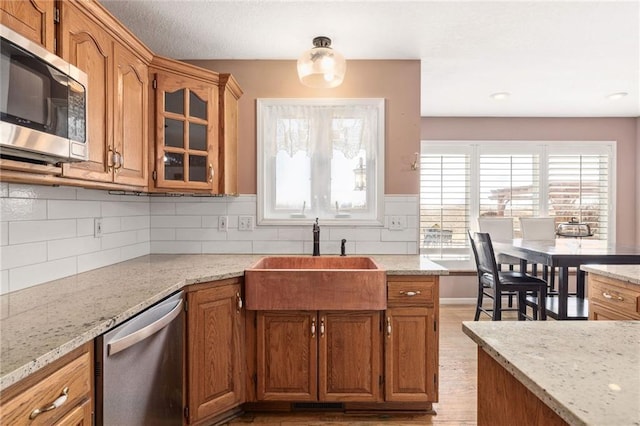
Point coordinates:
[(396, 223), (97, 227), (245, 223), (222, 223)]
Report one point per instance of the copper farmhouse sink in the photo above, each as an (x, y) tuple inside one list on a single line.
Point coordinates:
[(315, 283)]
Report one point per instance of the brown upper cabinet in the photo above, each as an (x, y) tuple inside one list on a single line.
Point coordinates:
[(185, 128), (230, 92), (34, 19), (118, 86)]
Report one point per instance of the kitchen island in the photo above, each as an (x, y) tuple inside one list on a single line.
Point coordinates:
[(548, 372), (41, 324), (614, 292)]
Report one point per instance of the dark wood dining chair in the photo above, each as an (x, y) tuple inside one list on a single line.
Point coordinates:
[(495, 284)]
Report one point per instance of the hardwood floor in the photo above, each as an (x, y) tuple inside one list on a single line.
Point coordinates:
[(457, 405)]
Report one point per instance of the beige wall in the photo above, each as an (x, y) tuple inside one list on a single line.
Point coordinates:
[(622, 130), (396, 81)]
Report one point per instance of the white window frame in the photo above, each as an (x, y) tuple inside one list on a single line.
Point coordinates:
[(375, 178), (543, 148)]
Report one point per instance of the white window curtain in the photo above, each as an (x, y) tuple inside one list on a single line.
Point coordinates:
[(309, 151)]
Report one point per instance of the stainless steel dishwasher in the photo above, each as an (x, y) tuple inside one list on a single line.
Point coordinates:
[(139, 368)]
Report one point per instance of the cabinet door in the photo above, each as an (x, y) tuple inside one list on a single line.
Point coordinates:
[(350, 356), (130, 118), (186, 133), (87, 46), (32, 19), (410, 355), (78, 416), (287, 356), (600, 312), (215, 351)]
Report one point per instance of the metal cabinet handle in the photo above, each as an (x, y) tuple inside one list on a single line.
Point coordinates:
[(239, 302), (388, 326), (321, 327), (110, 158), (606, 295), (211, 172), (313, 327), (55, 404), (117, 160), (410, 293)]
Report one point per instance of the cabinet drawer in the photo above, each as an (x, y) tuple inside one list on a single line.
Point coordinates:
[(614, 295), (410, 291), (76, 376)]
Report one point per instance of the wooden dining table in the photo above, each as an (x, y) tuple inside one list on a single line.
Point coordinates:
[(565, 253)]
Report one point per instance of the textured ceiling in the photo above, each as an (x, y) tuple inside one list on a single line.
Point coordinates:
[(555, 58)]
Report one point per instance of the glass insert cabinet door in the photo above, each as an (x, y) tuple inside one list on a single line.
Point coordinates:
[(186, 133)]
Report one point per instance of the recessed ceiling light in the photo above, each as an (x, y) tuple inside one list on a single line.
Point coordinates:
[(500, 96), (616, 96)]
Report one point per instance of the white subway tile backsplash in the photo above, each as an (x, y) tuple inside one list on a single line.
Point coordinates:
[(17, 190), (278, 247), (4, 189), (27, 276), (162, 234), (199, 234), (136, 226), (84, 227), (176, 247), (4, 233), (4, 288), (65, 209), (118, 239), (22, 209), (128, 223), (87, 262), (201, 208), (41, 230), (227, 247), (59, 249), (176, 221), (14, 256), (161, 208)]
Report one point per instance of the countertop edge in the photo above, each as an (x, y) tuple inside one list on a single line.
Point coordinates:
[(615, 272), (527, 382), (47, 358)]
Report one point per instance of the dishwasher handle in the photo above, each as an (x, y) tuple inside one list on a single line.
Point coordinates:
[(122, 343)]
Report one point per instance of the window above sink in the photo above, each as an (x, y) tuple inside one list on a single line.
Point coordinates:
[(320, 158)]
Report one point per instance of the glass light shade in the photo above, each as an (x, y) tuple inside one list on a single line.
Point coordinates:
[(321, 66)]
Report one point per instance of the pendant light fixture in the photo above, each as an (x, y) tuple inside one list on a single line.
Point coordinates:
[(321, 66)]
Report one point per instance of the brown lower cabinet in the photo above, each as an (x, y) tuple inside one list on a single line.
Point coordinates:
[(318, 356), (29, 401), (612, 299), (215, 349)]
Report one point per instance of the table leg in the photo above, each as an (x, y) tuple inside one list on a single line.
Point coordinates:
[(563, 292), (580, 274)]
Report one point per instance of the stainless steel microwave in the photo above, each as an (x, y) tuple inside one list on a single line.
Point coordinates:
[(43, 103)]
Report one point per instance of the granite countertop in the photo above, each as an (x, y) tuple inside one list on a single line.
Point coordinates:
[(588, 372), (626, 273), (40, 324)]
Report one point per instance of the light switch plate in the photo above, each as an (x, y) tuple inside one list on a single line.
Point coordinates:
[(245, 223), (223, 223), (97, 227), (397, 223)]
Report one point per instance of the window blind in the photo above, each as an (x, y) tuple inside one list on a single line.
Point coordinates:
[(444, 201), (578, 188)]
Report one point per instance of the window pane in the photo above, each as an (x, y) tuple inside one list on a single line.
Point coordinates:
[(174, 101), (197, 168), (173, 133), (509, 186), (348, 182), (578, 187), (444, 201), (197, 107), (173, 166), (197, 136), (293, 182)]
